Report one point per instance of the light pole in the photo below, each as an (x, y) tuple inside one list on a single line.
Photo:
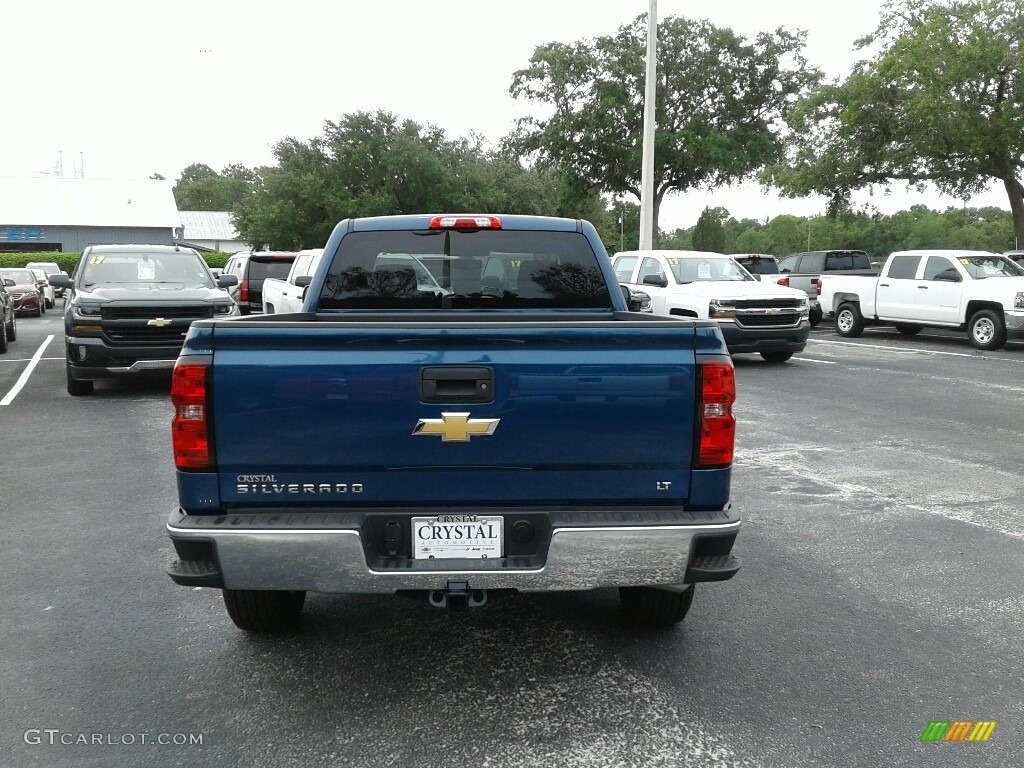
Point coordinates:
[(647, 171)]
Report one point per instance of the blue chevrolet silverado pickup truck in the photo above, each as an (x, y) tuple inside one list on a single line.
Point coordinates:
[(466, 404)]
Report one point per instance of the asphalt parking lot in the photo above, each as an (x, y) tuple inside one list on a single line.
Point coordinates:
[(880, 484)]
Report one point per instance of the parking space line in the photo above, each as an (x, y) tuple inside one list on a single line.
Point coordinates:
[(23, 379), (813, 360), (893, 349)]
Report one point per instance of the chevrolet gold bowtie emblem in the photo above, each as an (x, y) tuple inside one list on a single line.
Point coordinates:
[(456, 427), (159, 322)]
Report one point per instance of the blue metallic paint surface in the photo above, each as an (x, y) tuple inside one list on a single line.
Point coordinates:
[(586, 413)]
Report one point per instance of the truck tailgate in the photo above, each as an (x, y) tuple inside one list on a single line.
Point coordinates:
[(307, 414)]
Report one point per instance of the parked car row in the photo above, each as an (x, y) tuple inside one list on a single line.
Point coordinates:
[(22, 292)]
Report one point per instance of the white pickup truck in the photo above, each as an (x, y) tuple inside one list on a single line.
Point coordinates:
[(755, 316), (283, 296), (976, 291)]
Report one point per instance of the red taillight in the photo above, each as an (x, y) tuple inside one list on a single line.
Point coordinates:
[(189, 436), (784, 281), (465, 222), (243, 290), (817, 287), (717, 423)]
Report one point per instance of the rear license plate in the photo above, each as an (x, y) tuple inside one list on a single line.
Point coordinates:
[(449, 536)]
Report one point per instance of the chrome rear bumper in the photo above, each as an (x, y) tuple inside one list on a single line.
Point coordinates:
[(334, 559)]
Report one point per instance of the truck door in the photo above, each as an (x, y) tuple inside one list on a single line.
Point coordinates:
[(897, 289), (939, 291)]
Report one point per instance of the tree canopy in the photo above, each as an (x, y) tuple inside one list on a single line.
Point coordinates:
[(719, 98), (200, 188), (941, 100), (375, 164)]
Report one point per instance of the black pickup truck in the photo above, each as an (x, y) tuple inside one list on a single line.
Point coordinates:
[(129, 307)]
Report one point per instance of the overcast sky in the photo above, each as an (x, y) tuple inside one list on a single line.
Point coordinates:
[(135, 90)]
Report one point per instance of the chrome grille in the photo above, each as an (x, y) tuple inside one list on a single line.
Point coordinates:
[(768, 303)]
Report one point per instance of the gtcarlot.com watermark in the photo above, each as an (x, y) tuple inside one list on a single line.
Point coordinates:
[(55, 736)]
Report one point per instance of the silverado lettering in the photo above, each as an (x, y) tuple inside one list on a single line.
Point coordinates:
[(297, 488)]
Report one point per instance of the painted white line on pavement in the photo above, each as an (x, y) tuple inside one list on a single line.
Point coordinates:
[(893, 349), (28, 359), (812, 360), (23, 379)]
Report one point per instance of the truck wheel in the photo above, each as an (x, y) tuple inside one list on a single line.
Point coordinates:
[(653, 607), (987, 329), (776, 357), (76, 387), (12, 329), (814, 316), (909, 329), (3, 342), (263, 610), (849, 320)]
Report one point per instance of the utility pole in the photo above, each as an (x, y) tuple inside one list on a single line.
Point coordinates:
[(650, 119)]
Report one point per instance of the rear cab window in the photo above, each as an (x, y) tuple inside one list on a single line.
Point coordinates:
[(261, 267), (835, 260), (759, 265), (471, 269)]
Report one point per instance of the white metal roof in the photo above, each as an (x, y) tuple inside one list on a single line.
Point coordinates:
[(208, 225), (61, 201)]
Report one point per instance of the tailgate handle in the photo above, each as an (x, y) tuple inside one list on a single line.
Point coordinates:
[(457, 384)]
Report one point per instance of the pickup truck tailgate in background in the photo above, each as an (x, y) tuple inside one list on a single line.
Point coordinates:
[(322, 418)]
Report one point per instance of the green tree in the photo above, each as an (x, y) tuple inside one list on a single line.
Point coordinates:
[(719, 97), (941, 101), (200, 188), (708, 233), (375, 164)]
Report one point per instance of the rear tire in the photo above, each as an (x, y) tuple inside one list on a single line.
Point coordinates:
[(653, 607), (849, 320), (76, 387), (909, 329), (776, 357), (3, 342), (987, 329), (814, 316), (261, 610), (12, 329)]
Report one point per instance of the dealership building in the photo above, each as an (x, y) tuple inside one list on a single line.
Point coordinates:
[(54, 213)]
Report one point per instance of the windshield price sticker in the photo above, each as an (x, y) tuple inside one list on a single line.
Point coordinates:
[(476, 537), (146, 270)]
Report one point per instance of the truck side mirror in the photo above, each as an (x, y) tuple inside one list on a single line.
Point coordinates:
[(303, 281), (226, 281), (56, 280), (659, 280)]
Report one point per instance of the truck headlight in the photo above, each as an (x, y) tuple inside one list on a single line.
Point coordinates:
[(85, 310), (225, 310), (720, 308), (1018, 302)]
